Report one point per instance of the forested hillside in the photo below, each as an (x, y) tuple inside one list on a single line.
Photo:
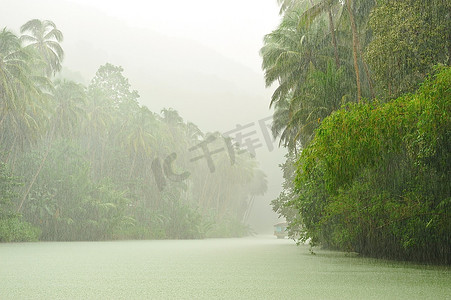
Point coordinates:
[(90, 162)]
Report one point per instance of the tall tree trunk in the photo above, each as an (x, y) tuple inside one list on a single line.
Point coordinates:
[(367, 72), (102, 158), (249, 209), (3, 118), (132, 166), (334, 40), (449, 47), (355, 47), (44, 159), (11, 151)]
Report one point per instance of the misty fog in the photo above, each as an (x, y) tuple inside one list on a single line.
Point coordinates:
[(174, 65), (259, 149)]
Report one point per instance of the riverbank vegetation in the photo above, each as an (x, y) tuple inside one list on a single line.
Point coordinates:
[(363, 106), (91, 163)]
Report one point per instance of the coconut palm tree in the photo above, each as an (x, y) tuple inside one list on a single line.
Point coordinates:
[(290, 54), (286, 5), (68, 98), (97, 126), (283, 125), (21, 95), (287, 54), (137, 137), (172, 117), (296, 118), (193, 133), (309, 15), (297, 56), (257, 187), (313, 12), (15, 81), (45, 38)]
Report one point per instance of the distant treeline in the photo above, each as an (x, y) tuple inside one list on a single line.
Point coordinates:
[(89, 162), (363, 105)]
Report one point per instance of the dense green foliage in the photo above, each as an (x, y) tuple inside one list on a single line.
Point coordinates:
[(373, 175), (376, 179), (95, 164), (409, 37), (12, 227), (310, 56)]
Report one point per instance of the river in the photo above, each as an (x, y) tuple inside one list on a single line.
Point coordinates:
[(250, 268)]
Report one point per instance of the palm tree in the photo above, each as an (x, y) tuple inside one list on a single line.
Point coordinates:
[(257, 187), (137, 136), (175, 130), (284, 126), (297, 54), (97, 126), (171, 117), (45, 38), (14, 69), (67, 99), (296, 118), (290, 56), (21, 94), (287, 55), (223, 191), (316, 10), (286, 5), (312, 13), (192, 132)]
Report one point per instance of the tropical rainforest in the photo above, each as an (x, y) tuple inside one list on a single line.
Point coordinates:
[(362, 103), (90, 163)]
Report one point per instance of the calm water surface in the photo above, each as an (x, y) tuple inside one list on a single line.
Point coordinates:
[(249, 268)]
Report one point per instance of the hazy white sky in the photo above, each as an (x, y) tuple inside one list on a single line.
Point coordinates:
[(234, 28)]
